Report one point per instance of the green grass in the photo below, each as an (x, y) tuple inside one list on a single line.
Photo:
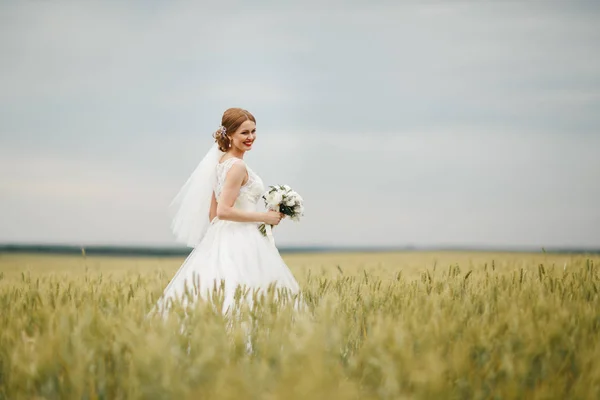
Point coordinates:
[(392, 326)]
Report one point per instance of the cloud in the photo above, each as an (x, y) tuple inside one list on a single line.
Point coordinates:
[(420, 188)]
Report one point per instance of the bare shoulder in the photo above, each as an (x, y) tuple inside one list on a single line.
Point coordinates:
[(231, 163), (238, 165), (238, 170)]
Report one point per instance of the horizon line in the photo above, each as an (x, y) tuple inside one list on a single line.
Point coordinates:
[(183, 250)]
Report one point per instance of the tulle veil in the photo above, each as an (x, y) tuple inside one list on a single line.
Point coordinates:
[(191, 206)]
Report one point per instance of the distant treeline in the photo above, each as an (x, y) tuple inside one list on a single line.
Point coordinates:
[(121, 250), (184, 251)]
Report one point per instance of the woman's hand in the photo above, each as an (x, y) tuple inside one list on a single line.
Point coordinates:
[(272, 217)]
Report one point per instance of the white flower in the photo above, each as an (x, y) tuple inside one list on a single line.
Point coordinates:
[(277, 198), (284, 195), (297, 198), (290, 201), (299, 209), (269, 197)]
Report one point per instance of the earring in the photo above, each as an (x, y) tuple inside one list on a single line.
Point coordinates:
[(229, 143)]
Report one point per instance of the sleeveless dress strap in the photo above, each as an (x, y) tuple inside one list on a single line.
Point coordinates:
[(222, 170)]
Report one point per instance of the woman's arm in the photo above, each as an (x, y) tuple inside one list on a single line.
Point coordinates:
[(231, 190)]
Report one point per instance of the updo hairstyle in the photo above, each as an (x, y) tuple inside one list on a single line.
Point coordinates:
[(231, 121)]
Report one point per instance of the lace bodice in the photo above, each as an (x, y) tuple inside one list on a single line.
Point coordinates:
[(250, 192)]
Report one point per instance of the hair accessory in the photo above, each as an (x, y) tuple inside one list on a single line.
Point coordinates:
[(222, 131)]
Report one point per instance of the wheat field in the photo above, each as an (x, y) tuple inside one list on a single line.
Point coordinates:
[(414, 325)]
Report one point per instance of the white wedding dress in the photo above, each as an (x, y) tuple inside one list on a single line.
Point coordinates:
[(231, 253)]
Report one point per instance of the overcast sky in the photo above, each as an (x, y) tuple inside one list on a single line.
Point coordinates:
[(425, 123)]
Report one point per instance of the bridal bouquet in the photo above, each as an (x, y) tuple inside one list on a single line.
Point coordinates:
[(285, 200)]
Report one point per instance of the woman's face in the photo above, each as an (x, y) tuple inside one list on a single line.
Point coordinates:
[(244, 136)]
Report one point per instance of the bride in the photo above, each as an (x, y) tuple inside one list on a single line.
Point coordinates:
[(215, 213)]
